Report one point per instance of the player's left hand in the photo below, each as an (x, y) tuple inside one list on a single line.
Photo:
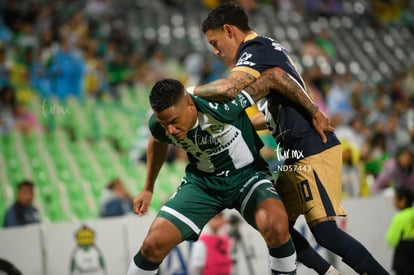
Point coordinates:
[(322, 124)]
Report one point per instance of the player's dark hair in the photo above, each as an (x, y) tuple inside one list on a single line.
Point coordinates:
[(404, 192), (165, 93), (227, 13)]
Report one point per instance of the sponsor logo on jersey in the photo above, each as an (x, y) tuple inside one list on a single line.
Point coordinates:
[(244, 60)]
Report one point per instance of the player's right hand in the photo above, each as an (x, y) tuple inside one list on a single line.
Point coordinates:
[(321, 123), (142, 202)]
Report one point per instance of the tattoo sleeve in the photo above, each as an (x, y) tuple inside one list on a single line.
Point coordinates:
[(260, 88), (271, 80), (284, 84), (225, 89)]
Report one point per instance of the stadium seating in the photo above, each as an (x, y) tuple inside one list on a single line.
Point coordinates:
[(89, 142), (72, 164)]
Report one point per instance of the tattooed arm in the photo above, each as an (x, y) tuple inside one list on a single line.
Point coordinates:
[(225, 89), (277, 80), (285, 85), (281, 82)]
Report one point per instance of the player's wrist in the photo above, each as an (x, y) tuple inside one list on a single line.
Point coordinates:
[(314, 110)]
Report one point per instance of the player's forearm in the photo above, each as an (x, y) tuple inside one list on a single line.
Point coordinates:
[(216, 91), (156, 154), (259, 89), (224, 89), (284, 84)]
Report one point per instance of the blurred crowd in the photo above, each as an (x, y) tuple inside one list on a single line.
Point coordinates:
[(60, 49)]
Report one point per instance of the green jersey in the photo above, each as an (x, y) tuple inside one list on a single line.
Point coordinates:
[(401, 228), (222, 139)]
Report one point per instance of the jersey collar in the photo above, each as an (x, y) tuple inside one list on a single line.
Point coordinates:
[(250, 36)]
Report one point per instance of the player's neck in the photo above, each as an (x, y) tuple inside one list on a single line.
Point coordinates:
[(249, 35)]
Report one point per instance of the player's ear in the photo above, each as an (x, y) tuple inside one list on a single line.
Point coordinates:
[(188, 99), (227, 30)]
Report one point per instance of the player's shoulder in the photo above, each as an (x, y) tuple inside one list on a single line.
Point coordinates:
[(257, 40), (262, 39), (200, 103), (260, 43), (154, 126), (152, 121)]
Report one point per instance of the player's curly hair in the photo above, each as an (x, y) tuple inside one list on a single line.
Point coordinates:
[(165, 93), (227, 13)]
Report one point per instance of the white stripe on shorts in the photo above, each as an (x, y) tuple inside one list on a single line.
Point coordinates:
[(182, 218), (246, 199)]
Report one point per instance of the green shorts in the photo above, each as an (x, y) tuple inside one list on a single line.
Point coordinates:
[(199, 198)]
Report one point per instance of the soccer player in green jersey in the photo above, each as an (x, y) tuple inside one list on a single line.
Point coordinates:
[(225, 170)]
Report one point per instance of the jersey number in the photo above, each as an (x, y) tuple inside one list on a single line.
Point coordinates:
[(305, 190)]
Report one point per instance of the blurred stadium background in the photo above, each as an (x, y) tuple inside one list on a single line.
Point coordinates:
[(79, 116)]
